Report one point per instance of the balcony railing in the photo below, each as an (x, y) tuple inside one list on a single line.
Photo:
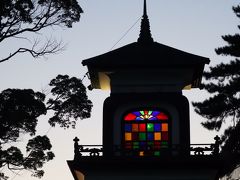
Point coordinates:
[(193, 150)]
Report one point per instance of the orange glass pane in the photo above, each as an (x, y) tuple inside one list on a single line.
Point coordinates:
[(157, 136), (128, 136), (141, 153), (164, 127), (135, 127)]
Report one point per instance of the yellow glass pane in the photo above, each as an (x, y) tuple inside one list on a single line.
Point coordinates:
[(164, 127), (128, 136), (157, 136), (141, 153), (135, 127)]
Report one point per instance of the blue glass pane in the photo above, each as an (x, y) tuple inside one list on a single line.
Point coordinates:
[(155, 113), (128, 128), (139, 119), (137, 113), (153, 118), (157, 127), (150, 136)]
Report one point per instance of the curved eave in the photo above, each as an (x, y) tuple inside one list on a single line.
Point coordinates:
[(144, 55)]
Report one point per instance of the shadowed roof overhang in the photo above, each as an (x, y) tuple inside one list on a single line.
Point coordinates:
[(144, 55)]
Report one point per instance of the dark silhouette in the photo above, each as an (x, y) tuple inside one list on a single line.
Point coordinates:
[(19, 18), (146, 122), (19, 113), (224, 85)]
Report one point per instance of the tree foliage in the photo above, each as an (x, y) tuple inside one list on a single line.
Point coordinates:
[(224, 86), (19, 17), (70, 102), (19, 113)]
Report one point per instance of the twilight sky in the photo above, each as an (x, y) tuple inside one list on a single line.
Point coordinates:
[(189, 25)]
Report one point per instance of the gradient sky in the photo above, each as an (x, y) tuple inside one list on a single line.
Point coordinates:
[(189, 25)]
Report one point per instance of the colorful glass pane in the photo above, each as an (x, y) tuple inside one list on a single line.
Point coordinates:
[(130, 117), (157, 145), (164, 127), (157, 136), (128, 136), (142, 127), (128, 145), (146, 132), (135, 127), (135, 136), (150, 136), (157, 127), (137, 113), (153, 118), (128, 128), (146, 115), (165, 136), (150, 127), (142, 144), (142, 136), (135, 145), (150, 144), (164, 144), (162, 116), (157, 153)]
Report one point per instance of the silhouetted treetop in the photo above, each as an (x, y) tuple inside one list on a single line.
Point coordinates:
[(19, 113), (223, 106), (70, 102), (19, 110), (18, 17)]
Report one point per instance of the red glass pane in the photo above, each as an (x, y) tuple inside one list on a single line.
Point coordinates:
[(165, 136), (162, 116), (130, 117), (142, 127), (145, 112), (157, 145), (128, 145)]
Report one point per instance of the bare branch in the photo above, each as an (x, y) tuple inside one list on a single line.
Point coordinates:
[(19, 23), (50, 47)]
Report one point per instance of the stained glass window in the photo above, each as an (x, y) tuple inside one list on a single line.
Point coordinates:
[(146, 132)]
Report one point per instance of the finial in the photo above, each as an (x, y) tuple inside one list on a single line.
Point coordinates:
[(145, 36), (145, 8)]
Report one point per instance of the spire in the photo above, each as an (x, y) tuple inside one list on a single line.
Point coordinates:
[(145, 32)]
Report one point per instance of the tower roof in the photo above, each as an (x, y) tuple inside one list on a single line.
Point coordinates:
[(145, 53), (141, 55)]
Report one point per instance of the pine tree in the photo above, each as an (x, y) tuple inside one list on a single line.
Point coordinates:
[(223, 83)]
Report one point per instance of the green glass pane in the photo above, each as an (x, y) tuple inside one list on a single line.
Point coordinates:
[(156, 153), (164, 144), (135, 145), (150, 143), (142, 136), (150, 127), (149, 112), (142, 112)]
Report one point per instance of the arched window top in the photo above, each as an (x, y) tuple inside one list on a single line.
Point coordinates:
[(146, 115)]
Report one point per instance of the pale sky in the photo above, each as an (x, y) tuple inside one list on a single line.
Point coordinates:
[(189, 25)]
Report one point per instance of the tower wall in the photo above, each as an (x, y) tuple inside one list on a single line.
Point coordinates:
[(174, 104)]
